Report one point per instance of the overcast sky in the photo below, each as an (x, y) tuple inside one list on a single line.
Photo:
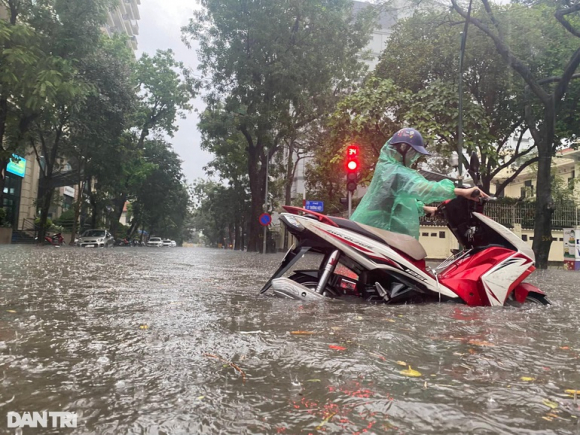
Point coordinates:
[(159, 28)]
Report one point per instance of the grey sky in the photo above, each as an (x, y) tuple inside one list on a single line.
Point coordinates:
[(160, 25)]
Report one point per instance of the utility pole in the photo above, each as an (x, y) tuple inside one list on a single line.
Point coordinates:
[(463, 36)]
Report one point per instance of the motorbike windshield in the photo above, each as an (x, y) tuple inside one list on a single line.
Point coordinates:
[(396, 195)]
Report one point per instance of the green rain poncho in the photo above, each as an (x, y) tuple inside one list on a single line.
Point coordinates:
[(397, 194)]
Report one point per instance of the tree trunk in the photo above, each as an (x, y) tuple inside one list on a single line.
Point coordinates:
[(3, 166), (45, 206), (237, 241), (119, 204), (544, 202), (77, 211), (257, 178)]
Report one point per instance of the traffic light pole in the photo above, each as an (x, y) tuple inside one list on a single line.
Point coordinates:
[(349, 203), (266, 207)]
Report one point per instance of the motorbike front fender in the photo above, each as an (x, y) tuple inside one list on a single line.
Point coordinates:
[(523, 289)]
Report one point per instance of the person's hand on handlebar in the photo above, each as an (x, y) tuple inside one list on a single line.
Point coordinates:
[(430, 211), (473, 193)]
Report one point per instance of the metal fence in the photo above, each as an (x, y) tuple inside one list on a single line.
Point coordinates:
[(564, 216)]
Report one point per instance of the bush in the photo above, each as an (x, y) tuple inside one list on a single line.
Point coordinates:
[(37, 223), (66, 220)]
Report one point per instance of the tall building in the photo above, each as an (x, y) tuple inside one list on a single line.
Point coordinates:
[(124, 19)]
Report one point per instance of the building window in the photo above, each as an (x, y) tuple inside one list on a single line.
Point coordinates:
[(528, 190), (441, 234)]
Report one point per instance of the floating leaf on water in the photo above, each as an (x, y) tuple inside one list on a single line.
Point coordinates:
[(564, 347), (336, 328), (551, 414), (545, 417), (527, 378), (390, 320), (335, 347), (402, 363), (313, 380), (11, 311), (550, 404), (359, 318), (481, 343), (573, 392), (301, 332), (410, 372), (325, 421), (200, 397), (143, 327)]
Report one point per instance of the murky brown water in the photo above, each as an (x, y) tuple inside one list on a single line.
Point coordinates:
[(175, 341)]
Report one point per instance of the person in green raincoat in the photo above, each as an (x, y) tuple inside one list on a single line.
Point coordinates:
[(397, 194)]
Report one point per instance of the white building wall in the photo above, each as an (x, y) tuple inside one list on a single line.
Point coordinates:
[(124, 19)]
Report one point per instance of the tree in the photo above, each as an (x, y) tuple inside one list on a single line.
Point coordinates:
[(96, 130), (550, 92), (424, 50), (165, 89), (278, 64), (161, 202), (53, 90), (221, 137)]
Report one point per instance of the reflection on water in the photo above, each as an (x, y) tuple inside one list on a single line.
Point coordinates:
[(175, 341)]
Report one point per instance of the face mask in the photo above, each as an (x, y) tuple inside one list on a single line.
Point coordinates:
[(408, 154)]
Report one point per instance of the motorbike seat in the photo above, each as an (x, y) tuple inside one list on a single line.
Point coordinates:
[(401, 242)]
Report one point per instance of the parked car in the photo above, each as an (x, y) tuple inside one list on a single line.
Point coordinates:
[(167, 243), (155, 242), (96, 239), (173, 243)]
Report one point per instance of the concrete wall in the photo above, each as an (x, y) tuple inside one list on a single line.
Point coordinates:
[(5, 236)]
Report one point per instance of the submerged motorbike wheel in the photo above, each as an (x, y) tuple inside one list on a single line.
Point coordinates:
[(311, 283), (536, 299), (531, 299)]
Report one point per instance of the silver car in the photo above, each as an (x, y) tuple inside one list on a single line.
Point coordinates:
[(96, 239)]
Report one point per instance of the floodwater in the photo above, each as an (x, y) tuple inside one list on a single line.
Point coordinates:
[(176, 341)]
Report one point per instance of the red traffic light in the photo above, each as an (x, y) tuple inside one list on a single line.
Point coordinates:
[(352, 155)]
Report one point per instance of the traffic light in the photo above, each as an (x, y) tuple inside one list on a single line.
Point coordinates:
[(352, 167)]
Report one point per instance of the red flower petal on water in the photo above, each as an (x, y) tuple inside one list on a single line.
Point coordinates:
[(332, 346)]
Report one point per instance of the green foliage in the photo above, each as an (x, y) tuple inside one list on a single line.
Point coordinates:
[(38, 223), (65, 220), (275, 67)]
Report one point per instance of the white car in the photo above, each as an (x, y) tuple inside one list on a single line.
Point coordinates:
[(173, 243), (155, 241), (167, 242)]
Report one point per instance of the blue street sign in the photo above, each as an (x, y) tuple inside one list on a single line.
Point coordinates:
[(315, 206), (265, 219)]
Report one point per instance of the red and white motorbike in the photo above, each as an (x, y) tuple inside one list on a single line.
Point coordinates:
[(378, 265)]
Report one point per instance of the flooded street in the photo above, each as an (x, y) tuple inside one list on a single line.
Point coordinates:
[(176, 341)]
